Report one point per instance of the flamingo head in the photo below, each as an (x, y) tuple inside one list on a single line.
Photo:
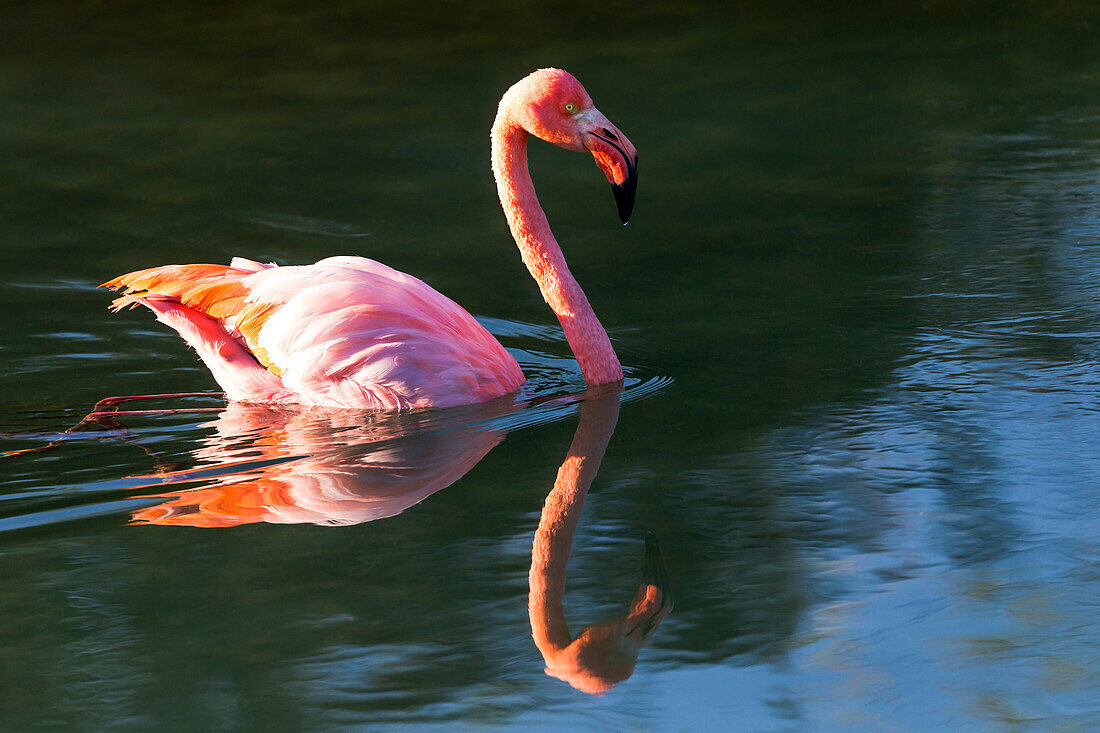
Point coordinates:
[(552, 105)]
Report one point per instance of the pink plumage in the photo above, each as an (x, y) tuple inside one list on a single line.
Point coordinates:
[(344, 332), (351, 332)]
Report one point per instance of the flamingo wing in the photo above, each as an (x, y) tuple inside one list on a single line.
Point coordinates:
[(344, 332)]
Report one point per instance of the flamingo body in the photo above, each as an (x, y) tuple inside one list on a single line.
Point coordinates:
[(343, 332), (351, 332)]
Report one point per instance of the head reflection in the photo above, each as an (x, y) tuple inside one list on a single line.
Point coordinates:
[(604, 653), (289, 466)]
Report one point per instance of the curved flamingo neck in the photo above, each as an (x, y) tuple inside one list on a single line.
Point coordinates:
[(543, 256)]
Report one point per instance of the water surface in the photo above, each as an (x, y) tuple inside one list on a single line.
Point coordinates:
[(857, 305)]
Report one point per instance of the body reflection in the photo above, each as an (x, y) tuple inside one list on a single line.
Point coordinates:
[(602, 654), (290, 466)]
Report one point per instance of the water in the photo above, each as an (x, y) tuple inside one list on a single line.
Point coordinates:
[(857, 304)]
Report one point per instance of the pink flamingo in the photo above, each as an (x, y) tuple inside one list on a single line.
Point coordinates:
[(351, 332)]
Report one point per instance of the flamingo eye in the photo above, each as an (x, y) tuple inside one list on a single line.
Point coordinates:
[(570, 107)]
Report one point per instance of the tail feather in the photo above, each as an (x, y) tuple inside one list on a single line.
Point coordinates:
[(213, 291), (197, 301)]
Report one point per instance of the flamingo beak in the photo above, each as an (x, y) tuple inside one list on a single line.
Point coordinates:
[(616, 156)]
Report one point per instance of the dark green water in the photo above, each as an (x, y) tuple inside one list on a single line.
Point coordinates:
[(858, 305)]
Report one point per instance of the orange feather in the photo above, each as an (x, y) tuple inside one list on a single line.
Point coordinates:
[(215, 290)]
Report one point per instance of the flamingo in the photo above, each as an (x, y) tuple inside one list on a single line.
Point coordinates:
[(349, 332)]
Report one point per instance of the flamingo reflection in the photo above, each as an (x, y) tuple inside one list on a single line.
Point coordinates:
[(604, 653), (285, 465)]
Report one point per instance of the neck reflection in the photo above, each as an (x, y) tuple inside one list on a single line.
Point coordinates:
[(604, 653)]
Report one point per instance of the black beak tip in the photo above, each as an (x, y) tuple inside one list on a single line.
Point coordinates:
[(626, 191), (625, 201)]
